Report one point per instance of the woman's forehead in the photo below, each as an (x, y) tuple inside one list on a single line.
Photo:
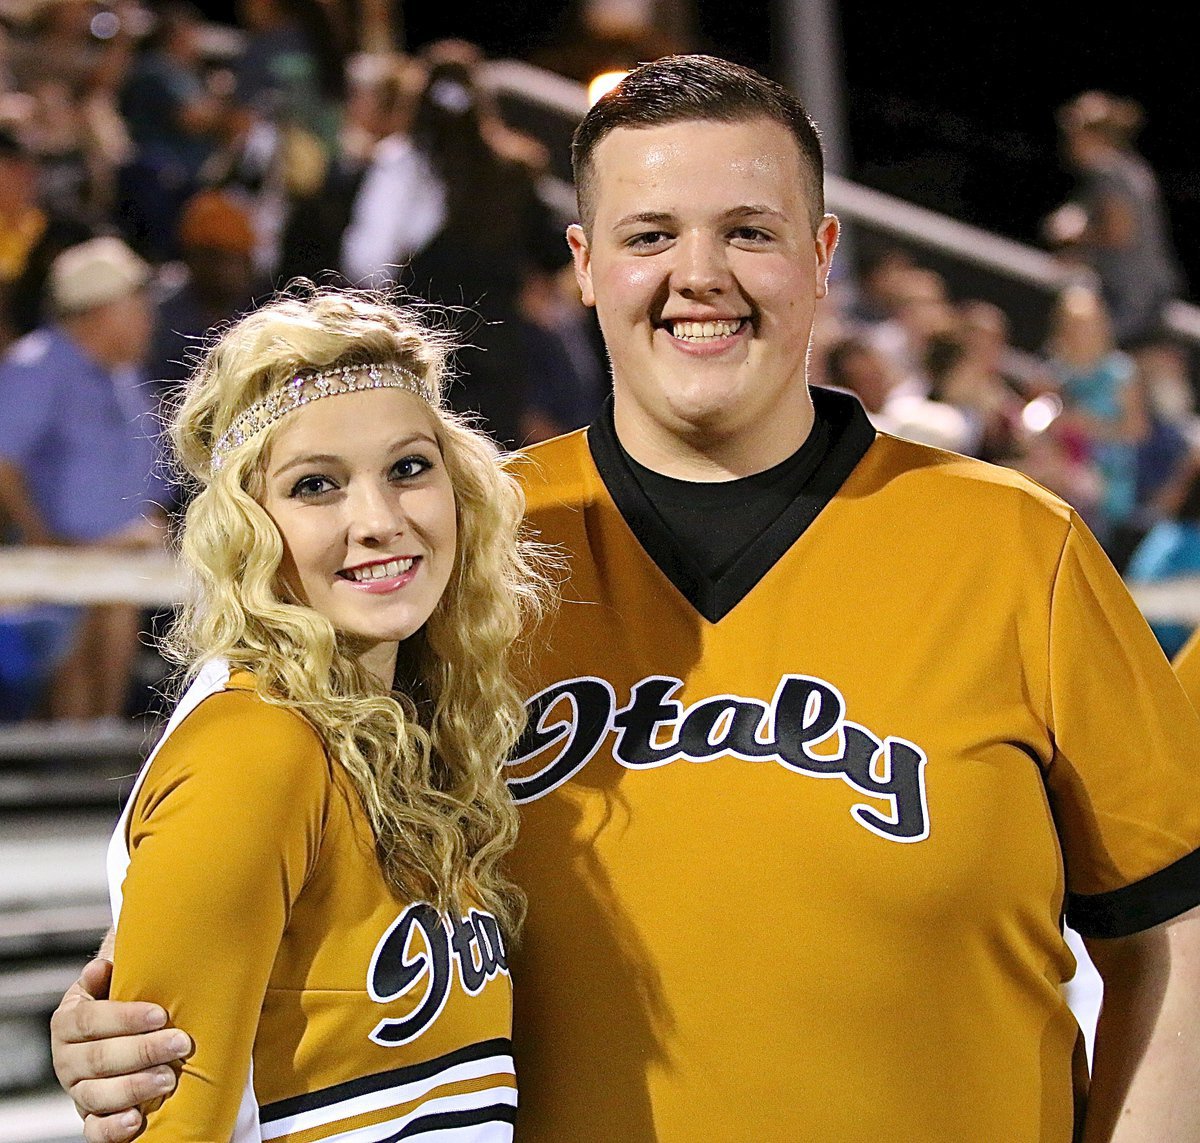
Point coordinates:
[(355, 424)]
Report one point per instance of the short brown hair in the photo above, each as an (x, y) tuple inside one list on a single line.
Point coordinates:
[(677, 89)]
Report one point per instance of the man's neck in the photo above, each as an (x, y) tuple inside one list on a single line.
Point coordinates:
[(705, 455)]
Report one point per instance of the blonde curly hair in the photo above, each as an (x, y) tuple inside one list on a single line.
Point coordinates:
[(427, 759)]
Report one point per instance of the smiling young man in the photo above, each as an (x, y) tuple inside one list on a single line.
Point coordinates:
[(829, 729)]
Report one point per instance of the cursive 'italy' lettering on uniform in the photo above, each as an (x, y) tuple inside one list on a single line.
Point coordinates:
[(798, 842)]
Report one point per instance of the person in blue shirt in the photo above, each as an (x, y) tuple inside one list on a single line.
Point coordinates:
[(1172, 549), (1103, 405), (79, 461)]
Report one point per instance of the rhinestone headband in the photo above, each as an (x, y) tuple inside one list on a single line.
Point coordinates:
[(307, 387)]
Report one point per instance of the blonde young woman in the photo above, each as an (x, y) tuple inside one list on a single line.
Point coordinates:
[(307, 875)]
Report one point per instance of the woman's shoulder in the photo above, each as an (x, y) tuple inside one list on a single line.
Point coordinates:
[(232, 732)]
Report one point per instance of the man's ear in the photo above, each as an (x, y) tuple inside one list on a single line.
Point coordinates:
[(826, 242), (581, 255)]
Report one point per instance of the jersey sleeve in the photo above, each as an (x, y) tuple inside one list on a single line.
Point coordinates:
[(223, 834), (1124, 779)]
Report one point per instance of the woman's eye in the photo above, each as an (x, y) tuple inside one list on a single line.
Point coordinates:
[(309, 486), (409, 466)]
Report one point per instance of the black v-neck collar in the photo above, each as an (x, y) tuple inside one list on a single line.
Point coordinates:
[(845, 436)]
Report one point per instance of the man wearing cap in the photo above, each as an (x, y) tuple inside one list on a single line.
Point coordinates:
[(78, 454), (214, 282)]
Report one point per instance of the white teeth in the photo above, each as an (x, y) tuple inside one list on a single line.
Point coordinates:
[(379, 571), (701, 330)]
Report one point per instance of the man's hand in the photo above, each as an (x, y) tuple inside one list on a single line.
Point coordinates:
[(111, 1057)]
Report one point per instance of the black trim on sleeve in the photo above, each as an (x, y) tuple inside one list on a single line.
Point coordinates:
[(1140, 906)]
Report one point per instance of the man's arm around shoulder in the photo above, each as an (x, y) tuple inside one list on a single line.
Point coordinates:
[(112, 1057)]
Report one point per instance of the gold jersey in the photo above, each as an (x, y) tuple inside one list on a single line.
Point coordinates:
[(1187, 667), (249, 903), (799, 873)]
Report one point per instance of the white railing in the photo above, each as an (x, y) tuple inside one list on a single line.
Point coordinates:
[(153, 579)]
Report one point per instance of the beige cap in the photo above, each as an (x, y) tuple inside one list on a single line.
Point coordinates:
[(95, 272)]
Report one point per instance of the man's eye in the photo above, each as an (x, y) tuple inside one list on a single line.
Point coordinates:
[(409, 466), (751, 234), (309, 486), (647, 238)]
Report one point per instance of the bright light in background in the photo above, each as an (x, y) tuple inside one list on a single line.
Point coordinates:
[(1041, 412), (603, 84), (105, 25)]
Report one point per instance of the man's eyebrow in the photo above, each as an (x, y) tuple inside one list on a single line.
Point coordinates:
[(655, 217), (754, 210), (660, 218)]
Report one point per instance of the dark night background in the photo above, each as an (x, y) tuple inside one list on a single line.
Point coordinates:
[(949, 105)]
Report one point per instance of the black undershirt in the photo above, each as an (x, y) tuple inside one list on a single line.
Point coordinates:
[(716, 521), (716, 540)]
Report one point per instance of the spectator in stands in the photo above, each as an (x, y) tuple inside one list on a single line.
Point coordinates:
[(1054, 459), (567, 381), (881, 271), (1103, 403), (383, 97), (920, 310), (293, 70), (214, 284), (859, 366), (855, 365), (72, 76), (964, 367), (33, 232), (1172, 548), (78, 455), (289, 90), (22, 221), (1164, 372), (174, 122), (420, 206), (1116, 223)]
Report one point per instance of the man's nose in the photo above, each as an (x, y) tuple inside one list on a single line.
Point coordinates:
[(702, 267)]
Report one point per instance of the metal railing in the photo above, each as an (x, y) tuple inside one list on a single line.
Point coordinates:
[(883, 213)]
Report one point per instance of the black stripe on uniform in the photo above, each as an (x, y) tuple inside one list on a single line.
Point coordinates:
[(397, 1077), (447, 1120), (1140, 906)]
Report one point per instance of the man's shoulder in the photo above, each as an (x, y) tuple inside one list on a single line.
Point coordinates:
[(938, 480), (555, 472), (35, 350)]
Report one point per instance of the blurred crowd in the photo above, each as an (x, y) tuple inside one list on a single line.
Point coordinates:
[(158, 173)]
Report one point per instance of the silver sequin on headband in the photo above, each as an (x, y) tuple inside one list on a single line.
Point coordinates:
[(307, 387)]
